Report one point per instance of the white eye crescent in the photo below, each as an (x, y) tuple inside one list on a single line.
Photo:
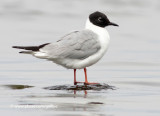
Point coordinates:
[(100, 19)]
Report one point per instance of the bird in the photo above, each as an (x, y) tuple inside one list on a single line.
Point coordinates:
[(78, 49)]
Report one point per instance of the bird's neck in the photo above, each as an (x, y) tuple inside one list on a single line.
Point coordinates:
[(96, 29), (100, 31)]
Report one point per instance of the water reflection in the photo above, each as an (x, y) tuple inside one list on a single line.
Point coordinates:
[(64, 97), (67, 100)]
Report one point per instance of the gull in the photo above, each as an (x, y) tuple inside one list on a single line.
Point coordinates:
[(78, 49)]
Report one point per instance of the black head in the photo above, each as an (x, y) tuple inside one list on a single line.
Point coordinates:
[(100, 19)]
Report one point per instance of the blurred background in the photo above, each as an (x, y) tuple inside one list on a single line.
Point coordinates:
[(132, 62), (33, 22)]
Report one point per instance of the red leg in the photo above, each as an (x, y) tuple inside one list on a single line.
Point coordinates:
[(75, 77), (85, 72), (86, 80), (75, 82)]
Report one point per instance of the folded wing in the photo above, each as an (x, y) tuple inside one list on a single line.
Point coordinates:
[(76, 45)]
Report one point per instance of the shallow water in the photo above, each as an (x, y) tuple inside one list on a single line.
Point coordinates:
[(131, 65)]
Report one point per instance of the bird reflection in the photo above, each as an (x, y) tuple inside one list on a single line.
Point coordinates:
[(85, 93)]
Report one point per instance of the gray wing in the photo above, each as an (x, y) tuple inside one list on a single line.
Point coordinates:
[(76, 45)]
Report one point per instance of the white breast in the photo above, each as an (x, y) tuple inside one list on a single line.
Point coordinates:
[(104, 39)]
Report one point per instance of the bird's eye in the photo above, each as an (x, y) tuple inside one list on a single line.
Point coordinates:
[(100, 19)]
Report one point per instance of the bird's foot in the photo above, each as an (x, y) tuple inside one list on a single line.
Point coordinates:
[(75, 83), (88, 83)]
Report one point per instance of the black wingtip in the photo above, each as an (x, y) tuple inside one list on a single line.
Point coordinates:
[(14, 46), (21, 52), (32, 48), (18, 47)]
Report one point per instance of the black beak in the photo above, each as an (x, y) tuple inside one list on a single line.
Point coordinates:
[(113, 24)]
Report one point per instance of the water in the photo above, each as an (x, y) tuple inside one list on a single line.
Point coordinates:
[(131, 65)]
